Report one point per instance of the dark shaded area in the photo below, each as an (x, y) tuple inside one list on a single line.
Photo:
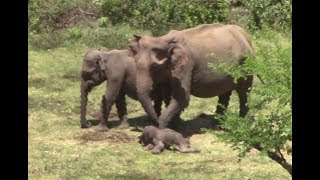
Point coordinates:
[(186, 127), (194, 126)]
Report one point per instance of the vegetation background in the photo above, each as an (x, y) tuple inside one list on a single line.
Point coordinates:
[(61, 31)]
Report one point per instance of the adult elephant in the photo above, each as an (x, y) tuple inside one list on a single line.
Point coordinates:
[(119, 70), (185, 54)]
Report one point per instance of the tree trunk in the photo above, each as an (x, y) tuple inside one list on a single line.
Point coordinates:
[(278, 157)]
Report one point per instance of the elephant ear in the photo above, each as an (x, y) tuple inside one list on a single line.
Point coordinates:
[(101, 63), (178, 59), (134, 46)]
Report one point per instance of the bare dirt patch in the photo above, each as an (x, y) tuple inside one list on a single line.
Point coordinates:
[(114, 137)]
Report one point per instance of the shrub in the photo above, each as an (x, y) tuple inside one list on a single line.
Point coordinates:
[(276, 14), (75, 33), (160, 16), (268, 125), (103, 21)]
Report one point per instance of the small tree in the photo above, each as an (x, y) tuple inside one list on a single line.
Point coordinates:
[(268, 125)]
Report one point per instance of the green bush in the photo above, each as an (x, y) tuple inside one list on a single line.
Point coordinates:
[(103, 21), (269, 122), (75, 33), (160, 16), (275, 14)]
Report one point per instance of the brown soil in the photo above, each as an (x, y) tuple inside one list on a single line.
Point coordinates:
[(114, 137)]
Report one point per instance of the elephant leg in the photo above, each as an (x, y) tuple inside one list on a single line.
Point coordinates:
[(223, 103), (163, 94), (179, 101), (122, 110), (148, 147), (107, 101), (85, 89), (185, 149), (176, 123), (158, 148), (157, 105), (166, 95), (102, 126), (243, 90), (182, 148)]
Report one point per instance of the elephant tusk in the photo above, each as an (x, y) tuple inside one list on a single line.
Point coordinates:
[(160, 62)]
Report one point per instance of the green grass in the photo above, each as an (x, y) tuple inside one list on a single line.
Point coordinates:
[(57, 152)]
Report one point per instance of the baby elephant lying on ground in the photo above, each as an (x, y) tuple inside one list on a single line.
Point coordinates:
[(158, 139)]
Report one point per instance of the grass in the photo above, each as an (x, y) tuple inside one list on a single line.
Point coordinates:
[(57, 149)]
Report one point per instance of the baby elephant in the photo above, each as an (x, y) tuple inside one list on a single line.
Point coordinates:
[(158, 139)]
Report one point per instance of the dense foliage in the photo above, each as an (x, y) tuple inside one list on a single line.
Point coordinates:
[(268, 125), (159, 16)]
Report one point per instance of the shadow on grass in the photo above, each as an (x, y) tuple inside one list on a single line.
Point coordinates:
[(186, 127)]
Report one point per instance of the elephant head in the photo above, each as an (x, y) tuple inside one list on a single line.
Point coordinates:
[(92, 74), (150, 54)]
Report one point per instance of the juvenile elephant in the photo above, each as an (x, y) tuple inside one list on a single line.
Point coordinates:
[(185, 54), (157, 140), (119, 70)]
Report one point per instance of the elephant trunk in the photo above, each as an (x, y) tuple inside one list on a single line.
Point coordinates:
[(144, 88), (85, 89)]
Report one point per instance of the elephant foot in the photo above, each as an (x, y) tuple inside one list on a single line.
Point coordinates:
[(155, 151), (101, 128), (86, 125), (152, 122), (124, 125), (148, 147)]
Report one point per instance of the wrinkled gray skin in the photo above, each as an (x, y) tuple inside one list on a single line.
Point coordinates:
[(157, 140), (119, 70), (185, 55)]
